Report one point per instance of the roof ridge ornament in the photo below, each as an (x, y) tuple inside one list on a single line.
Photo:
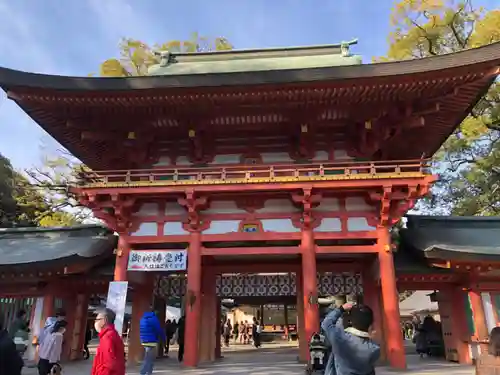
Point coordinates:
[(165, 57), (344, 47)]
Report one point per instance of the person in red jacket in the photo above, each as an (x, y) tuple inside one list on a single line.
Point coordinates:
[(110, 355)]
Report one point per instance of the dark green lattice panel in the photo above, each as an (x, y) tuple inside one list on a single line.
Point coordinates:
[(469, 315)]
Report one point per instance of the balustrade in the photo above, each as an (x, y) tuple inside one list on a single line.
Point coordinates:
[(255, 173)]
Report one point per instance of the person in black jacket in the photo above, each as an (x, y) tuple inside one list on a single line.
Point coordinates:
[(88, 338), (11, 362), (181, 328)]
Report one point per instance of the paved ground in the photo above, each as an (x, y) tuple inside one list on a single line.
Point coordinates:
[(274, 360)]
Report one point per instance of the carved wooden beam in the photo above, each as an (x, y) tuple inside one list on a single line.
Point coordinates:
[(308, 200), (193, 205)]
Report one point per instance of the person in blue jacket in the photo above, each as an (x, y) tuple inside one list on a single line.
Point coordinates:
[(151, 333), (352, 350)]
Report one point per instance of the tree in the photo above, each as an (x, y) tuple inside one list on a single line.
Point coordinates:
[(52, 180), (136, 56), (22, 204), (8, 206), (424, 28)]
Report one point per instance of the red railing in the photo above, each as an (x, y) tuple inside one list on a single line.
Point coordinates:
[(257, 173)]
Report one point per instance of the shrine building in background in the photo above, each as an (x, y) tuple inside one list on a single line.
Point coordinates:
[(283, 167)]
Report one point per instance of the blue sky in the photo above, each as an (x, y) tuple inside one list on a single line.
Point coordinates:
[(71, 37)]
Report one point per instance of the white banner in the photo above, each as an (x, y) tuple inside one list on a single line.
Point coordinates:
[(157, 260), (116, 301)]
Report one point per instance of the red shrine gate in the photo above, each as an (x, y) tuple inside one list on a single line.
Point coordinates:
[(283, 160), (321, 231)]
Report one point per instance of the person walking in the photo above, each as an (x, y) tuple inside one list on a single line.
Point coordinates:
[(256, 330), (236, 331), (11, 362), (49, 325), (352, 350), (88, 338), (227, 330), (169, 333), (242, 331), (110, 355), (151, 333), (50, 351), (19, 332), (181, 328)]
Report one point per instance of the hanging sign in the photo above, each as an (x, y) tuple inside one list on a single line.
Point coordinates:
[(116, 301), (157, 260)]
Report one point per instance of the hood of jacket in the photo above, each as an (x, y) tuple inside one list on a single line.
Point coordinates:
[(149, 314), (50, 321)]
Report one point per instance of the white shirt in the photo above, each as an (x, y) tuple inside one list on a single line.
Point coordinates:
[(51, 347)]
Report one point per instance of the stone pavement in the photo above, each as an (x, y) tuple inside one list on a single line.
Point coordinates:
[(267, 361)]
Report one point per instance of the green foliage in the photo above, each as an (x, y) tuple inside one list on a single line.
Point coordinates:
[(8, 206), (424, 28), (136, 57), (58, 219), (51, 180), (22, 203)]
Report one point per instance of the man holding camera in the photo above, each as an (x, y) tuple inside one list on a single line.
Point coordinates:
[(352, 350)]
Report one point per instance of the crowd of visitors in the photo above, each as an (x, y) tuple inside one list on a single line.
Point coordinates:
[(242, 332), (347, 331)]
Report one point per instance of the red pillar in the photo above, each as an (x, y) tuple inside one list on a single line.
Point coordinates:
[(208, 330), (371, 297), (48, 306), (310, 292), (141, 300), (454, 320), (79, 327), (303, 347), (390, 298), (218, 351), (122, 254), (193, 300), (479, 317), (285, 313)]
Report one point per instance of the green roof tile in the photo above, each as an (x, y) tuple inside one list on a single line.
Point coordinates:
[(323, 56)]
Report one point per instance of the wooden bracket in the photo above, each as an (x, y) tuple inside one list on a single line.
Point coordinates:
[(308, 200), (385, 201), (193, 205)]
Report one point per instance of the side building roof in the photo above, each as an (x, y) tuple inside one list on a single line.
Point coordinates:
[(472, 238), (34, 250)]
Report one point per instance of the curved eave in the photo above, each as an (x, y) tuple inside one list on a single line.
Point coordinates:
[(483, 58), (60, 266), (463, 254), (55, 250), (463, 239)]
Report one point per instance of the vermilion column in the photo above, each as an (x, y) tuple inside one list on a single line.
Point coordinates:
[(371, 297), (208, 330), (450, 303), (71, 308), (79, 327), (193, 300), (285, 313), (218, 351), (459, 321), (310, 297), (122, 254), (390, 298), (303, 347), (479, 317), (141, 301)]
